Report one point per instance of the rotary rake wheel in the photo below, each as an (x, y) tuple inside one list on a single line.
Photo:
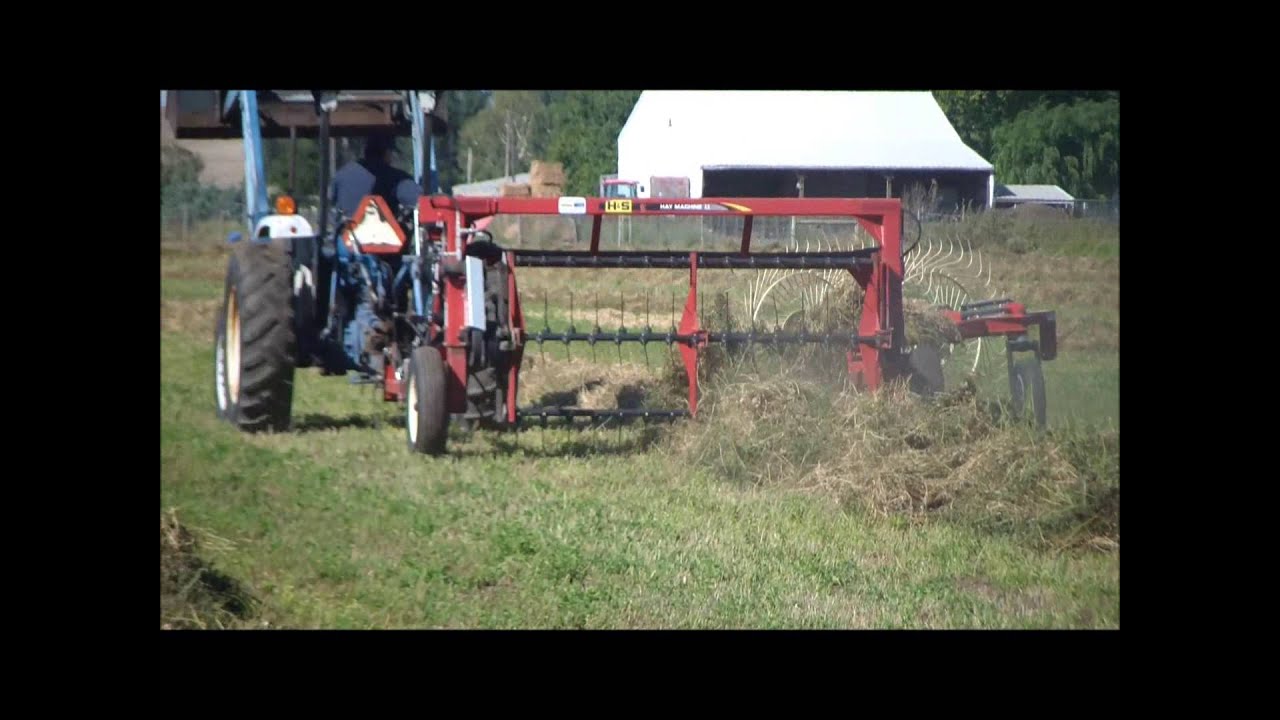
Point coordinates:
[(942, 272)]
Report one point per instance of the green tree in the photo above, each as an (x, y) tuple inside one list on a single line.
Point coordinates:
[(182, 195), (307, 172), (451, 156), (179, 165), (506, 136), (584, 134), (1074, 145), (975, 114)]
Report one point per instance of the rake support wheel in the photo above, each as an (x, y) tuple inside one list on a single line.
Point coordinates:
[(924, 371), (1026, 383), (426, 415)]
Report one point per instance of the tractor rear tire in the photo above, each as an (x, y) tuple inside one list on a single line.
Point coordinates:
[(1027, 383), (254, 342), (924, 371), (426, 415)]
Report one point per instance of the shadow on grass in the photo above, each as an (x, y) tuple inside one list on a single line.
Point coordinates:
[(578, 447), (566, 398), (316, 422)]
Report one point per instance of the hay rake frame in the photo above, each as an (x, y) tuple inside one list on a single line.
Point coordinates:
[(876, 350)]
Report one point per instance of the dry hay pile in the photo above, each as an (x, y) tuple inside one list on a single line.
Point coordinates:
[(891, 453), (192, 594)]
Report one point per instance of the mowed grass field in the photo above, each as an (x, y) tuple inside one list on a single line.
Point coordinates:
[(793, 502)]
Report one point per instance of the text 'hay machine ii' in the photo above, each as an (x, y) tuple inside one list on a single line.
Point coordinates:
[(426, 305)]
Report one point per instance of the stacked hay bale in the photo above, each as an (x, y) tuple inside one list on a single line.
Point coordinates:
[(546, 179)]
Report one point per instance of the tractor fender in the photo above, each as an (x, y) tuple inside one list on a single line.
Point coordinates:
[(282, 226)]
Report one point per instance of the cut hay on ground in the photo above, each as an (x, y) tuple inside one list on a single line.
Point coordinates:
[(894, 454), (192, 594)]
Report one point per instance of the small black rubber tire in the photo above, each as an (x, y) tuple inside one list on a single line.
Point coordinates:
[(924, 371), (426, 414), (1027, 373), (257, 297)]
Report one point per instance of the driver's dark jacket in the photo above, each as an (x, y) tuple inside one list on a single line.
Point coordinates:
[(360, 178)]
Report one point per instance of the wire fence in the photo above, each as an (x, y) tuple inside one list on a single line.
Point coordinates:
[(183, 218), (193, 214), (1107, 210)]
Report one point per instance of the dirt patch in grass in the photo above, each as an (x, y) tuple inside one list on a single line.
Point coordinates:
[(190, 317), (1023, 602)]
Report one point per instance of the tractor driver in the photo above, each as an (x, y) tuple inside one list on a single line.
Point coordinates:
[(374, 175)]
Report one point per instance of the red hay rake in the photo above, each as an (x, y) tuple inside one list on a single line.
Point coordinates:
[(876, 351)]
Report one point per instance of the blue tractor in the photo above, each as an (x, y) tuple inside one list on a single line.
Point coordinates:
[(353, 296)]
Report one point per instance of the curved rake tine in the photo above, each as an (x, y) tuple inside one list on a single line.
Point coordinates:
[(622, 327), (647, 328), (942, 269), (728, 315), (934, 256), (826, 312), (751, 346), (702, 310), (790, 275), (959, 257), (924, 260), (595, 331)]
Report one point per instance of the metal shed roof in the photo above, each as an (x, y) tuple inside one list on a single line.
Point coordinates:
[(1033, 193)]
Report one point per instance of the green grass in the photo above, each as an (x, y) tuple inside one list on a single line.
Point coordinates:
[(343, 529), (337, 525)]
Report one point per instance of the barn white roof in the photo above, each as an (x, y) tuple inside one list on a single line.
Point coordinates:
[(796, 129)]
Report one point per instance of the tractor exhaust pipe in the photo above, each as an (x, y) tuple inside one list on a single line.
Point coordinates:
[(324, 171)]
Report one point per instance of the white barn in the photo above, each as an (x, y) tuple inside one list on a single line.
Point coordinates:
[(799, 143)]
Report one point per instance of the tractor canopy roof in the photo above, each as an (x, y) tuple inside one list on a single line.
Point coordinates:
[(217, 113)]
